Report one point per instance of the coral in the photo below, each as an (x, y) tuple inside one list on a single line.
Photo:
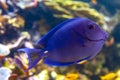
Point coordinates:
[(9, 27), (4, 50), (69, 9), (17, 21), (4, 73), (111, 76)]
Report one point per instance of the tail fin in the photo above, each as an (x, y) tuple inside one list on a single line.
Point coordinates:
[(34, 56)]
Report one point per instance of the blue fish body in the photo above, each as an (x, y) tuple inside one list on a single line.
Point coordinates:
[(70, 42)]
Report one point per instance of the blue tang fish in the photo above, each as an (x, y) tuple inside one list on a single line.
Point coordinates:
[(70, 42)]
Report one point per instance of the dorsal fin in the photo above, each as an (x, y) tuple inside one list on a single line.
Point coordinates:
[(43, 41)]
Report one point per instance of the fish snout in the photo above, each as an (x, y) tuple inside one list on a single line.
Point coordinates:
[(106, 36)]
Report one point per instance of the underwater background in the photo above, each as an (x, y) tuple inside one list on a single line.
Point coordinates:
[(23, 22)]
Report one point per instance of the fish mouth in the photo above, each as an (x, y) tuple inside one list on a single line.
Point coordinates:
[(104, 39), (96, 39)]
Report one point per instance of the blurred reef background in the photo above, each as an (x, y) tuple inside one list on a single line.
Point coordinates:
[(23, 22)]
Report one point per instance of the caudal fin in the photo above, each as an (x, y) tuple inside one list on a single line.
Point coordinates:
[(34, 56)]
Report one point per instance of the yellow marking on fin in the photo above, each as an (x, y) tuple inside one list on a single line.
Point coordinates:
[(82, 62)]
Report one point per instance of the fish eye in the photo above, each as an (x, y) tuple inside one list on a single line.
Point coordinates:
[(90, 26)]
